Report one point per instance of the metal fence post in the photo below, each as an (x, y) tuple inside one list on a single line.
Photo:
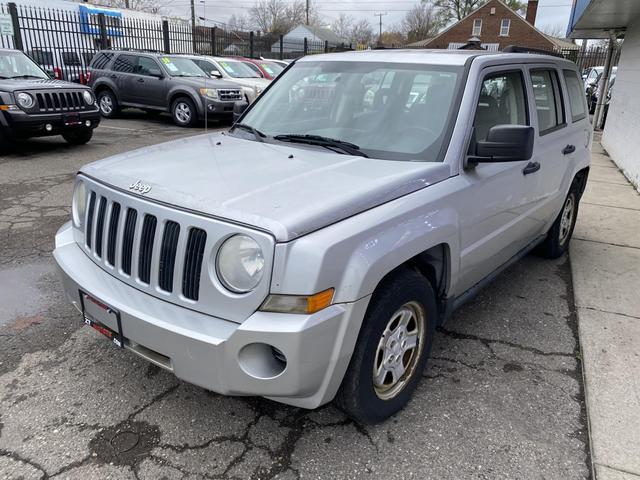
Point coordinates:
[(165, 36), (306, 46), (102, 24), (214, 31), (326, 46), (281, 47), (251, 44), (17, 35)]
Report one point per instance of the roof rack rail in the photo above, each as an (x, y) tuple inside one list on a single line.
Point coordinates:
[(518, 49), (140, 50)]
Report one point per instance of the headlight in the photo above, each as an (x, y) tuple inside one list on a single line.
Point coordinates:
[(88, 98), (79, 203), (209, 93), (240, 264), (25, 100)]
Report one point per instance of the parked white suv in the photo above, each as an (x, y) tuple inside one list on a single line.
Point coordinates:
[(310, 252), (233, 71)]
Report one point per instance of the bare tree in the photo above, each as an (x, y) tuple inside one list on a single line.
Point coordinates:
[(150, 6), (343, 26), (393, 37), (239, 22), (279, 16), (458, 9), (362, 32), (558, 30), (422, 21)]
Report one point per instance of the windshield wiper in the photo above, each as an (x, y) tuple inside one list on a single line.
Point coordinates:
[(28, 76), (256, 133), (331, 143)]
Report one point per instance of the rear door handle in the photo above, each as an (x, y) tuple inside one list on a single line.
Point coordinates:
[(531, 168), (568, 149), (141, 80)]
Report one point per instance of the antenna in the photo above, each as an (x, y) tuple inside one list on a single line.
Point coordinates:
[(380, 15)]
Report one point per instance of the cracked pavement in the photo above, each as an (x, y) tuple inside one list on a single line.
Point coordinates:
[(502, 397)]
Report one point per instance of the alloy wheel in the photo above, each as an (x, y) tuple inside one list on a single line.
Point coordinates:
[(399, 350), (566, 220)]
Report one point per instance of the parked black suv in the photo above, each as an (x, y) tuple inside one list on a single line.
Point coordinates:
[(34, 105), (157, 82)]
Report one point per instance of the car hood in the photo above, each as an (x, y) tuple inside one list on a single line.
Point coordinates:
[(199, 82), (250, 82), (287, 190), (37, 84)]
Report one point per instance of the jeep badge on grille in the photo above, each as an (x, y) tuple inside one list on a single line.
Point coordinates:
[(140, 187)]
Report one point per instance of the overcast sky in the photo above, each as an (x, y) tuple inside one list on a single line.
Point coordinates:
[(550, 12)]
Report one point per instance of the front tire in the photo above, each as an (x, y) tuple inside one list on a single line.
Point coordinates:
[(184, 112), (78, 137), (392, 349), (559, 235)]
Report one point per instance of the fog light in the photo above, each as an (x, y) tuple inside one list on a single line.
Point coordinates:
[(48, 127), (87, 123), (262, 361)]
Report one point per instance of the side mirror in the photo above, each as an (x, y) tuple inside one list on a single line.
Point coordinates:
[(504, 143), (155, 72), (215, 74), (51, 73), (238, 109)]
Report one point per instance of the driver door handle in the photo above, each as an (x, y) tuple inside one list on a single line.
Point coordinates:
[(568, 149), (531, 168), (141, 80)]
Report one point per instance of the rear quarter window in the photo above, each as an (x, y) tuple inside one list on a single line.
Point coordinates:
[(101, 60), (576, 96)]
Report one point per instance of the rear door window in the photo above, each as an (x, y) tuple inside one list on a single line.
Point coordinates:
[(576, 95), (71, 59), (43, 57), (548, 100), (125, 64)]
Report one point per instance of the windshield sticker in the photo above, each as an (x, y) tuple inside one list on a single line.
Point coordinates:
[(227, 67), (169, 64)]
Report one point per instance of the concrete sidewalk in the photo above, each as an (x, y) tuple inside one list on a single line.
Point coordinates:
[(605, 263)]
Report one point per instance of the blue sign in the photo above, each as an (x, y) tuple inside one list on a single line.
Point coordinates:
[(578, 8), (90, 24)]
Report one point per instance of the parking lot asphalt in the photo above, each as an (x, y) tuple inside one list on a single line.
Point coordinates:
[(502, 397)]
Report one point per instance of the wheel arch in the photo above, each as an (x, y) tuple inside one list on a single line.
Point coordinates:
[(102, 86), (175, 94)]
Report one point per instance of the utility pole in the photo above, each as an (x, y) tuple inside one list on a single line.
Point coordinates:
[(380, 15), (193, 24), (126, 4), (308, 12)]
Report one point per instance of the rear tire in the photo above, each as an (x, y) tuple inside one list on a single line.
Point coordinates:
[(384, 369), (108, 104), (78, 137), (559, 235), (184, 112)]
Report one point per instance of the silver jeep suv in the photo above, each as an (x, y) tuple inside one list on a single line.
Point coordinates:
[(309, 253)]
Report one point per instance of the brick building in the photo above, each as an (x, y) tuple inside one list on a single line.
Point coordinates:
[(497, 26)]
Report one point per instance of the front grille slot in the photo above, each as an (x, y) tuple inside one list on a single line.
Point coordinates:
[(102, 208), (168, 255), (60, 101), (92, 206), (146, 247), (113, 233), (127, 240), (230, 94), (193, 263)]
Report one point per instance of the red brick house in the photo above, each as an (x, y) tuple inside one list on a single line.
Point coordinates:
[(497, 26)]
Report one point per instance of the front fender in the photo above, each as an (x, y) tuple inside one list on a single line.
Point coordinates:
[(183, 92), (353, 255)]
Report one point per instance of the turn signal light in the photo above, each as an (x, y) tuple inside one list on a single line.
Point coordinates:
[(305, 304)]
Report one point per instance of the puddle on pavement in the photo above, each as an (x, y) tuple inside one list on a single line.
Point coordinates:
[(22, 298)]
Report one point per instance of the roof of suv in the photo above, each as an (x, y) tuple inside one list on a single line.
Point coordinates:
[(435, 57)]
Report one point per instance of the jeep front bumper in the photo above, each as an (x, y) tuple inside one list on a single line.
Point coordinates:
[(219, 355)]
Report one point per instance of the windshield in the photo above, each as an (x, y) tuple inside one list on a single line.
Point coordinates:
[(237, 69), (389, 110), (17, 64), (272, 68), (181, 67)]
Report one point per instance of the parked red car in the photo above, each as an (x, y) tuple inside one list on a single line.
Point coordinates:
[(266, 68)]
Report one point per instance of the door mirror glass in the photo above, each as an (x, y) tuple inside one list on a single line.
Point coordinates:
[(505, 143)]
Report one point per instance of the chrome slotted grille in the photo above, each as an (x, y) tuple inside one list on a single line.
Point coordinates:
[(230, 94), (148, 247)]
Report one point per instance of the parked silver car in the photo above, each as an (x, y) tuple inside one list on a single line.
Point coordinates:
[(310, 253)]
